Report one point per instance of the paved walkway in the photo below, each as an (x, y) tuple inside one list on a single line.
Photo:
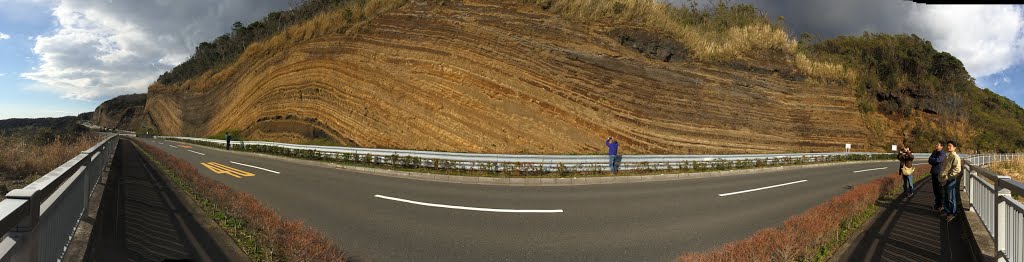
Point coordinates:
[(910, 230), (140, 219)]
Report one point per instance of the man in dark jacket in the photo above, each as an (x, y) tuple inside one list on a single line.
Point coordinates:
[(906, 158), (938, 156), (227, 137)]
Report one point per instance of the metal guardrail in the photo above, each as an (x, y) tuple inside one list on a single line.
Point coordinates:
[(1002, 215), (40, 218), (476, 161)]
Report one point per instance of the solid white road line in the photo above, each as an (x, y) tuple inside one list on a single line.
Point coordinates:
[(197, 153), (172, 146), (472, 208), (866, 170), (762, 188), (256, 167)]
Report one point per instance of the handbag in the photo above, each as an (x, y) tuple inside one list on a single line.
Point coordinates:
[(907, 170)]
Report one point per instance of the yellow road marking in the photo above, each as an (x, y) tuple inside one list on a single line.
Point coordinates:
[(227, 170), (182, 145)]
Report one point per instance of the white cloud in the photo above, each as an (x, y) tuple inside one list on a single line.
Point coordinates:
[(987, 39), (100, 49), (4, 36), (1006, 80)]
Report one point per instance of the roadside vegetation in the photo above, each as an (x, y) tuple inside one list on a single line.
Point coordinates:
[(34, 147), (1013, 168), (497, 169), (261, 233), (814, 234)]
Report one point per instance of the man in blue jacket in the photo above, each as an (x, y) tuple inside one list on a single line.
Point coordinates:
[(936, 159), (613, 153)]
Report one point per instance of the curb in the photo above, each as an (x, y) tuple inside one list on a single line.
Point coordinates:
[(548, 181)]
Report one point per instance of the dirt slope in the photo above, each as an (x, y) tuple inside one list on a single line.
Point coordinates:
[(478, 76)]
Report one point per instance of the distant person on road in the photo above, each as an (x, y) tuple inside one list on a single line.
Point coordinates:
[(227, 137), (938, 156), (906, 158), (613, 154), (950, 171)]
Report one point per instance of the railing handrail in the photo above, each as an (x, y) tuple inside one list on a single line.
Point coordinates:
[(1000, 204), (21, 210), (525, 158)]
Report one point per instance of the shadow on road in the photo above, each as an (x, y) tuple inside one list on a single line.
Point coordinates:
[(910, 230), (140, 219)]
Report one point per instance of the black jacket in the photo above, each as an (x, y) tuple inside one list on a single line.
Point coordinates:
[(936, 160)]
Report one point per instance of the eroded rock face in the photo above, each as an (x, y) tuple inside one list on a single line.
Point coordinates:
[(122, 112), (472, 76), (656, 46)]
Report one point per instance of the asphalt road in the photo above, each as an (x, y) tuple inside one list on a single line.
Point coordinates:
[(650, 221)]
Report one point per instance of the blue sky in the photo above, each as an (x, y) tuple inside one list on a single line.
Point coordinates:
[(64, 57)]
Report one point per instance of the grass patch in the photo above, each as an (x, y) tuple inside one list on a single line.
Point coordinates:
[(26, 157)]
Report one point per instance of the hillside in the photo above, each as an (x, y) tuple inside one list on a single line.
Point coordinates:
[(122, 112), (532, 77)]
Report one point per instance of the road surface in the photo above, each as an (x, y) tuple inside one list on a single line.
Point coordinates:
[(377, 218)]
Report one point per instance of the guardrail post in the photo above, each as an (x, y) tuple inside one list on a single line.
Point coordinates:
[(971, 176), (1001, 232), (26, 247)]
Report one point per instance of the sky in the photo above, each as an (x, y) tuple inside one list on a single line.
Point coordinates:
[(64, 57)]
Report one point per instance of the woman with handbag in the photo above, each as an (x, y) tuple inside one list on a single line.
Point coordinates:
[(906, 158)]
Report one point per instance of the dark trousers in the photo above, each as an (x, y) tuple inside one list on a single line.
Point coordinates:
[(952, 196), (937, 189), (227, 146)]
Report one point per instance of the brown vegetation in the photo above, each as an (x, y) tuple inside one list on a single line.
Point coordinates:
[(290, 239), (24, 158), (810, 235), (1013, 168)]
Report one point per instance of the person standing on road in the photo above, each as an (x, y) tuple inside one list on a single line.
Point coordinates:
[(906, 158), (938, 156), (613, 154), (950, 171), (227, 137)]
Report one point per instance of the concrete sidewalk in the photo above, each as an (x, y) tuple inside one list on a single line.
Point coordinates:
[(910, 230), (141, 219)]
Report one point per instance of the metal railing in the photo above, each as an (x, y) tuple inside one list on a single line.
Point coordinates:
[(1001, 214), (477, 161), (40, 219)]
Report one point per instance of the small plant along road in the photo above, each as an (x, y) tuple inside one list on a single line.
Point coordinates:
[(382, 218)]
